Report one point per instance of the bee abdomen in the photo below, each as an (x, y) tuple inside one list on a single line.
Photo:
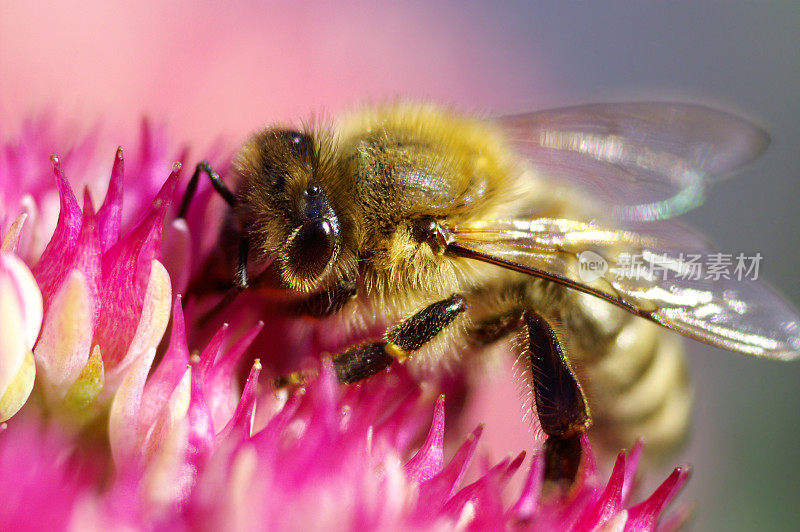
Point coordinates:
[(640, 388)]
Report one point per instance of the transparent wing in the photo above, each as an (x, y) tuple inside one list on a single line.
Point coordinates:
[(710, 297), (647, 161)]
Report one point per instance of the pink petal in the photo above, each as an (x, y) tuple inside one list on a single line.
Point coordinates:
[(126, 273), (88, 255), (66, 339), (435, 491), (631, 465), (213, 349), (109, 217), (243, 416), (643, 516), (201, 425), (11, 238), (28, 296), (16, 393), (483, 496), (225, 367), (57, 258), (528, 501), (171, 416), (152, 321), (170, 370), (610, 501), (428, 460), (221, 377), (266, 440), (40, 489), (125, 434), (20, 318)]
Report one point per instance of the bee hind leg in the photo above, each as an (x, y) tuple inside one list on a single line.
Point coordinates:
[(560, 402), (365, 360)]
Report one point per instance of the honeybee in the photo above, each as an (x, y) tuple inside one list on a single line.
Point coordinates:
[(462, 232)]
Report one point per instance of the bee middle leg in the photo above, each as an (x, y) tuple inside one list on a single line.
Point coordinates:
[(365, 360), (560, 402)]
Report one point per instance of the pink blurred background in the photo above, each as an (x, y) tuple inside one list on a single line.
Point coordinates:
[(212, 73)]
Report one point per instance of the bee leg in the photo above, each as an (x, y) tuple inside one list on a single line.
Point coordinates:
[(328, 302), (241, 283), (560, 402), (241, 264), (362, 361), (490, 331), (219, 185)]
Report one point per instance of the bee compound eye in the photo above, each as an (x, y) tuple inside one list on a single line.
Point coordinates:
[(312, 247)]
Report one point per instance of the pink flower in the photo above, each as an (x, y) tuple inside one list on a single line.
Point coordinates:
[(148, 437), (20, 320)]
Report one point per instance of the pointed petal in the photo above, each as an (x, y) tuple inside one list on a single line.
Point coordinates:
[(243, 416), (170, 370), (441, 487), (125, 434), (58, 256), (644, 515), (225, 367), (427, 461), (201, 426), (11, 238), (483, 495), (528, 500), (152, 323), (173, 411), (631, 465), (221, 384), (213, 349), (126, 274), (610, 501), (109, 217), (88, 255), (66, 339)]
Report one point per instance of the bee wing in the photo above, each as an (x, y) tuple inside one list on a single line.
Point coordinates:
[(647, 161), (645, 275)]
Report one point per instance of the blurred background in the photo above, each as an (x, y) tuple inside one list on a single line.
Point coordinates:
[(217, 73)]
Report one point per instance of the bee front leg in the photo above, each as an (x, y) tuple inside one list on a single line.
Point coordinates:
[(240, 275), (365, 360), (328, 302), (219, 185), (560, 403)]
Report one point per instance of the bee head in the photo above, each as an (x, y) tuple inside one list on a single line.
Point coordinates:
[(283, 205)]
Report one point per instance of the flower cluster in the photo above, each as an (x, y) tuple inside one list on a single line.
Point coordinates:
[(125, 430)]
